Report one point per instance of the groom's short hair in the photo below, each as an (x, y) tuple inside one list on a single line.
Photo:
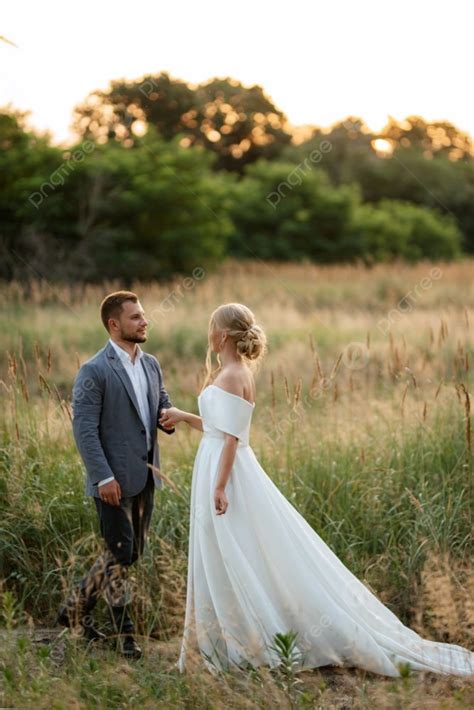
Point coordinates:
[(111, 306)]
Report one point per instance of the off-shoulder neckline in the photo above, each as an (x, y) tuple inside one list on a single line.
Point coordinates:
[(251, 404)]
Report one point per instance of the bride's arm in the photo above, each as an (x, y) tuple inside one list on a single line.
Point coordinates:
[(232, 383), (225, 469), (172, 416)]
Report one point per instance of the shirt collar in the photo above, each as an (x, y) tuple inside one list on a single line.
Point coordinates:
[(123, 354)]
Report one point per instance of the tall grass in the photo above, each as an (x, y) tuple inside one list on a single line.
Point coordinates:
[(374, 449)]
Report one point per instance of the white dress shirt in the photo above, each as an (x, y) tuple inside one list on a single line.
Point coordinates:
[(136, 372)]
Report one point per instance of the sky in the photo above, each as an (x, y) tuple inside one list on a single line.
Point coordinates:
[(319, 61)]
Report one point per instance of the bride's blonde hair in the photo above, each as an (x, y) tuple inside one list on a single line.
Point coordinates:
[(241, 327)]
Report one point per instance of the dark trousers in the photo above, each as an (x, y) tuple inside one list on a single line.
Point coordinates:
[(125, 531)]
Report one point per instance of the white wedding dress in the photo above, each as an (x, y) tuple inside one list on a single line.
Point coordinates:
[(261, 569)]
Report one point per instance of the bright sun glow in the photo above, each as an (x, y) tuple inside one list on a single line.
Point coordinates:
[(382, 146)]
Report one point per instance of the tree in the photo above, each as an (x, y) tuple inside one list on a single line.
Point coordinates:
[(280, 214), (418, 166), (105, 211), (437, 183), (26, 159), (239, 124), (350, 142), (432, 138), (284, 213), (394, 229), (122, 112)]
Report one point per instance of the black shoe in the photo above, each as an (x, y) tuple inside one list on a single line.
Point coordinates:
[(69, 619), (121, 620), (129, 647), (65, 617), (92, 634)]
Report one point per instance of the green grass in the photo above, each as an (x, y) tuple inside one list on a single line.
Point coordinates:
[(376, 459)]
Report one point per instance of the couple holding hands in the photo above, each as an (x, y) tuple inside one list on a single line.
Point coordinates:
[(256, 568)]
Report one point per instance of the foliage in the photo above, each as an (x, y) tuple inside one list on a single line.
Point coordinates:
[(162, 204), (238, 124)]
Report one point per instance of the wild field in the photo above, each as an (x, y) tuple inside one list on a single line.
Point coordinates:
[(363, 420)]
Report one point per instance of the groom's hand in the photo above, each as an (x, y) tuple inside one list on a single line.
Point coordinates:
[(170, 417), (110, 493)]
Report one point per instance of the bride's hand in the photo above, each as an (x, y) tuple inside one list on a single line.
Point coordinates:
[(170, 417), (220, 501)]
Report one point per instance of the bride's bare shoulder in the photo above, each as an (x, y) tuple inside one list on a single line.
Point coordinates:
[(237, 380), (232, 380)]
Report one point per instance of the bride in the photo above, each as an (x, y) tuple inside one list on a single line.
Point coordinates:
[(256, 567)]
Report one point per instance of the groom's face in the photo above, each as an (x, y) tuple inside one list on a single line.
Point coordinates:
[(132, 323)]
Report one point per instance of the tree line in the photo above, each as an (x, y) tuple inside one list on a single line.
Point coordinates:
[(165, 177)]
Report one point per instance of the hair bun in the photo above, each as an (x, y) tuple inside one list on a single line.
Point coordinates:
[(251, 343), (238, 321)]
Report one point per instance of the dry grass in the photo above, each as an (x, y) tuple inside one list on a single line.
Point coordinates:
[(368, 430)]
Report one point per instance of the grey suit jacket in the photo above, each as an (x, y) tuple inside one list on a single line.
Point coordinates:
[(106, 423)]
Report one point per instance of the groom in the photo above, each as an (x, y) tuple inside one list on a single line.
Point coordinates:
[(118, 397)]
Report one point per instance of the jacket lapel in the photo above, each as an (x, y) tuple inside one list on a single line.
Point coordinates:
[(152, 379), (152, 390), (114, 360)]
